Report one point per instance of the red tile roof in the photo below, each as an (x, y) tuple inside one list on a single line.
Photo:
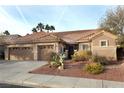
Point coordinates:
[(8, 39), (68, 37), (37, 37), (76, 36)]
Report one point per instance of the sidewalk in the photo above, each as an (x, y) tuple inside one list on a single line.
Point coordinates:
[(40, 81)]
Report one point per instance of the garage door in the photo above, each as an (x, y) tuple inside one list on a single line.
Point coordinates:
[(44, 51), (21, 53)]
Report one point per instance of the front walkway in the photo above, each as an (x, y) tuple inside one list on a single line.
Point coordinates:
[(17, 73)]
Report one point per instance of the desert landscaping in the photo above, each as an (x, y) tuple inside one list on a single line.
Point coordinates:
[(113, 71)]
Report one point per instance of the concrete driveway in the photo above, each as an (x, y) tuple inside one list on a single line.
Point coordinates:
[(11, 70)]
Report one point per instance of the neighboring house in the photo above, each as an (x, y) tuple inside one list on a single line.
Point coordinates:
[(38, 45), (5, 40)]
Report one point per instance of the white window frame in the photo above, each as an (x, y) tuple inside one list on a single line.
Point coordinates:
[(82, 47), (104, 41)]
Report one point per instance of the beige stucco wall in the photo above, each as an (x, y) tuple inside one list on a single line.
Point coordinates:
[(96, 40), (6, 52), (109, 51)]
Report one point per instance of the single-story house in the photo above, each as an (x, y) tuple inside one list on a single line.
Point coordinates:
[(36, 46)]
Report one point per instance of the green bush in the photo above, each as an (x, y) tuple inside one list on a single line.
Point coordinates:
[(54, 60), (94, 68), (54, 57), (99, 59), (81, 55)]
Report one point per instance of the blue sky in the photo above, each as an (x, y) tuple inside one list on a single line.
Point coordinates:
[(21, 19)]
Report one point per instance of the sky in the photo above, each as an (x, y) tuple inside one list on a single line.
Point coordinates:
[(21, 19)]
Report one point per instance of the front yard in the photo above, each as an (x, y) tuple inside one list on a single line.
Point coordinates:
[(75, 69), (84, 65)]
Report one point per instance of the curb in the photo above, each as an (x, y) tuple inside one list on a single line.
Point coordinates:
[(82, 83)]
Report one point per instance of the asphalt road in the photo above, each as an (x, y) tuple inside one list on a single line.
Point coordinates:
[(2, 85)]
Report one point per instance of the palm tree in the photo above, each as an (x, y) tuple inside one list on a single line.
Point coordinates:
[(47, 27), (40, 26), (37, 28), (34, 30), (6, 32), (52, 28)]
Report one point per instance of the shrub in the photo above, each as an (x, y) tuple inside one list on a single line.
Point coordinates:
[(54, 56), (54, 59), (100, 59), (94, 68), (81, 55)]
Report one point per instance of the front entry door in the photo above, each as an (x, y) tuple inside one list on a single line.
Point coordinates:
[(70, 51), (71, 48)]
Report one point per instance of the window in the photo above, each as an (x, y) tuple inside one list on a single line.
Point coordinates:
[(51, 47), (103, 43), (85, 47)]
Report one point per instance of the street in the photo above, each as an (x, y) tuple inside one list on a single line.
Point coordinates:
[(3, 85)]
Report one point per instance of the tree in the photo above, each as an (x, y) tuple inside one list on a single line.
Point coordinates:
[(34, 30), (121, 40), (40, 27), (52, 28), (6, 32), (113, 20), (47, 27)]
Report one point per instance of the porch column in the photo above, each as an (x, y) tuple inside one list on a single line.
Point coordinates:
[(6, 52), (35, 50), (56, 45)]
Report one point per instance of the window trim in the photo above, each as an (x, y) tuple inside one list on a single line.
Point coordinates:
[(83, 45), (103, 41)]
